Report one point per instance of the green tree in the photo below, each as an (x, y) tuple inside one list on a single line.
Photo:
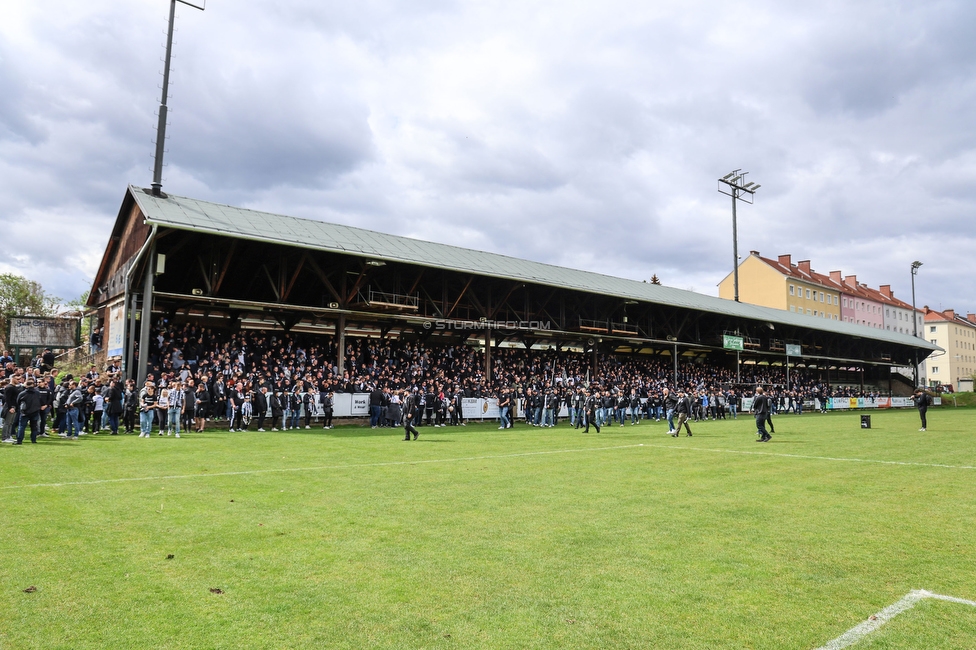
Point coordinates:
[(22, 297)]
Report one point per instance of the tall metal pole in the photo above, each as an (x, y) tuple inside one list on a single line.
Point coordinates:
[(735, 247), (676, 366), (733, 184), (915, 266), (157, 182)]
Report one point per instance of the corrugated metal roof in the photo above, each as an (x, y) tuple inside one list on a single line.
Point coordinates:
[(203, 216)]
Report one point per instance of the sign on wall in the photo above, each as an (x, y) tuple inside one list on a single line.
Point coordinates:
[(730, 342), (115, 336), (43, 332)]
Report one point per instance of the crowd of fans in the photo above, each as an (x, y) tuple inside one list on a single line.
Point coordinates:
[(253, 377)]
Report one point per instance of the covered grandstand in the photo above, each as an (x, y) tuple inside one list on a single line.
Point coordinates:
[(234, 268)]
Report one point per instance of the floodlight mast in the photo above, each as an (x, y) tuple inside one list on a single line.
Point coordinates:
[(739, 190), (157, 182), (915, 266)]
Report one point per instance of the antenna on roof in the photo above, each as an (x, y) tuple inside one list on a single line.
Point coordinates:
[(157, 183)]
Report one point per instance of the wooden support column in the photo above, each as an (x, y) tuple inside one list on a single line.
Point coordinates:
[(147, 301), (341, 344), (130, 344), (487, 357)]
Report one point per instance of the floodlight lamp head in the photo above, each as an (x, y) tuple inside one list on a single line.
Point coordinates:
[(915, 265)]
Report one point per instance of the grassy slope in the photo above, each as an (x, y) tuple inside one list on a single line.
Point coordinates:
[(664, 545)]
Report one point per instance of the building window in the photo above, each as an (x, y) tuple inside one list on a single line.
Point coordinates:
[(932, 329), (808, 312), (791, 289), (935, 369), (808, 294), (821, 296), (793, 308)]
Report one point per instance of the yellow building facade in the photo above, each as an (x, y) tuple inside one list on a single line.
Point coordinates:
[(783, 285)]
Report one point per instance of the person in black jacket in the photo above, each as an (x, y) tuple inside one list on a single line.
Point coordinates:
[(29, 405), (375, 407), (130, 406), (410, 411), (201, 407), (47, 400), (326, 400), (592, 404), (683, 410), (308, 404), (114, 406), (760, 408), (11, 417), (922, 403), (670, 403), (277, 409), (261, 406)]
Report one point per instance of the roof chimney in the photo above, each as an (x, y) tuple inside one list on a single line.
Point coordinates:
[(951, 313), (971, 318), (851, 281), (886, 290), (756, 253), (836, 277), (786, 260), (804, 266)]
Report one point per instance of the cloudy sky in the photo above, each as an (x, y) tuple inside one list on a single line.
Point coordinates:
[(584, 134)]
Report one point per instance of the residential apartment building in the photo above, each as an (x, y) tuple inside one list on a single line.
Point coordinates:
[(783, 285), (859, 304), (898, 313), (957, 336)]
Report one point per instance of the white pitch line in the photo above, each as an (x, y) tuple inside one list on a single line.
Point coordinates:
[(312, 469), (874, 622), (800, 456)]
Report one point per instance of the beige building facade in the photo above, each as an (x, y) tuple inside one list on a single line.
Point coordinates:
[(957, 336)]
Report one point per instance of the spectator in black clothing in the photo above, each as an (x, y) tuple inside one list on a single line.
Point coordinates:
[(261, 406), (683, 410), (922, 403), (760, 407), (29, 405)]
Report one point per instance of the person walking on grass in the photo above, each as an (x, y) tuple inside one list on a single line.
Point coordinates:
[(760, 408), (922, 403), (147, 409), (410, 410), (29, 405), (590, 407), (670, 402), (683, 410)]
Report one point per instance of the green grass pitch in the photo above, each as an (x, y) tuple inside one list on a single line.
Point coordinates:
[(478, 538)]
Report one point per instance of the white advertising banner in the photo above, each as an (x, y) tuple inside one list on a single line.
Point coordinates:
[(476, 408), (115, 331)]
